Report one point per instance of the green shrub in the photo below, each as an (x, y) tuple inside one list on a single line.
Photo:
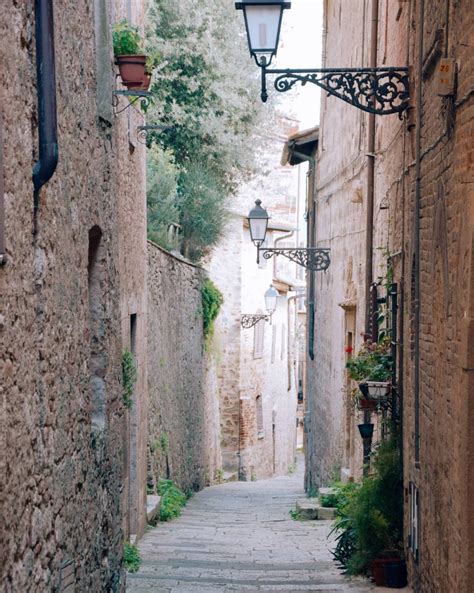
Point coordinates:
[(212, 300), (129, 378), (126, 39), (370, 516), (172, 500), (372, 363), (329, 500), (131, 557)]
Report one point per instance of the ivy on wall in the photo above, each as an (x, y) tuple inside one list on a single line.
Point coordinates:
[(212, 300)]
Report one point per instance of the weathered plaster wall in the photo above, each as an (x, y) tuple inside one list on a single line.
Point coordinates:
[(62, 475), (184, 435)]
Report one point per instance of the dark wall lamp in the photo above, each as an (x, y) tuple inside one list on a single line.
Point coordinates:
[(315, 259), (381, 91), (247, 320)]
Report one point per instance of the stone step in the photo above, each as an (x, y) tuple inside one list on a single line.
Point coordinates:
[(152, 506), (310, 509)]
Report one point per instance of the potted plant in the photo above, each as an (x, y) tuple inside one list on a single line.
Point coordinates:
[(370, 522), (131, 61), (372, 369)]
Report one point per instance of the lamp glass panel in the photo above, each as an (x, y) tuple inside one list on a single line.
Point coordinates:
[(271, 300), (258, 229), (263, 23)]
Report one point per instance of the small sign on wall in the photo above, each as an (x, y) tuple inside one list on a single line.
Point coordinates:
[(445, 76)]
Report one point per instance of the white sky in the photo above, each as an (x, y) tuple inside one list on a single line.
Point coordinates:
[(300, 47)]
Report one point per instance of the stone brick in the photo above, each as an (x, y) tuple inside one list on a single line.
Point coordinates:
[(184, 431)]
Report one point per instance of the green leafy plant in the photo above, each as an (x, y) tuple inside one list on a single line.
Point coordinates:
[(295, 515), (328, 500), (126, 39), (372, 363), (212, 300), (370, 516), (129, 378), (172, 500), (131, 557)]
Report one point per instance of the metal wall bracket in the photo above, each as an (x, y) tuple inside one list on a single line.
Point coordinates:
[(248, 321), (143, 131), (315, 259), (380, 91), (133, 97)]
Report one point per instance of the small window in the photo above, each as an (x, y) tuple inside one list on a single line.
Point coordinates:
[(259, 415), (259, 339), (274, 340), (414, 527), (98, 358)]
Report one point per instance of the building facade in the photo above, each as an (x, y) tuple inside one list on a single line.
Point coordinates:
[(73, 285), (394, 201), (258, 375)]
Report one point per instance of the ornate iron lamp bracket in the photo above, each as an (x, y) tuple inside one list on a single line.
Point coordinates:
[(133, 97), (143, 131), (314, 259), (248, 321), (381, 91)]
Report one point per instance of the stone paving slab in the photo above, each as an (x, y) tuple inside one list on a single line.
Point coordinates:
[(239, 538)]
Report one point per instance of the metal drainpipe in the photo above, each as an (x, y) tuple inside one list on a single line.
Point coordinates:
[(416, 223), (371, 171), (44, 168), (288, 353), (277, 240)]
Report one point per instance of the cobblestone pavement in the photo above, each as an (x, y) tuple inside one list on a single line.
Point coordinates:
[(238, 537)]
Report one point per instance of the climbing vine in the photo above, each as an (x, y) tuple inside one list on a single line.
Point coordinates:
[(212, 300), (129, 378)]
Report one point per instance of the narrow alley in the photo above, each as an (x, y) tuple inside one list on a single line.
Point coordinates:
[(240, 537)]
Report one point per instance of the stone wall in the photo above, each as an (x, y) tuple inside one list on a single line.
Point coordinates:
[(184, 430), (60, 331)]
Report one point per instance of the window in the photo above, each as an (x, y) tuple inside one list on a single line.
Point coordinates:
[(414, 527), (259, 338), (98, 358), (259, 416), (274, 339)]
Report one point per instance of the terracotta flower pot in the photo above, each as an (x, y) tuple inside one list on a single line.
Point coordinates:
[(366, 404), (146, 81), (132, 71), (377, 568)]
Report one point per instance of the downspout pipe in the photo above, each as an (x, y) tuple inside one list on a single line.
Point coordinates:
[(416, 225), (44, 168), (369, 262), (275, 242)]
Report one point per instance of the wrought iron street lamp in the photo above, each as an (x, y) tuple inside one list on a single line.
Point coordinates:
[(247, 320), (315, 259), (381, 91)]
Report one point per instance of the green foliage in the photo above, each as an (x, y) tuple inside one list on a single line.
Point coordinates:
[(212, 300), (206, 94), (162, 187), (126, 39), (164, 442), (131, 557), (373, 363), (295, 515), (202, 210), (172, 500), (219, 476), (370, 516), (329, 500), (129, 378)]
